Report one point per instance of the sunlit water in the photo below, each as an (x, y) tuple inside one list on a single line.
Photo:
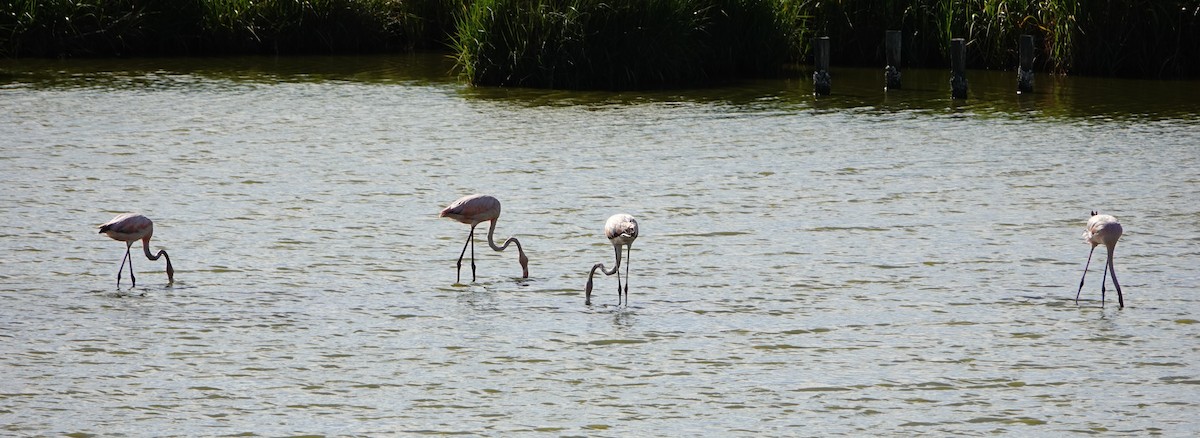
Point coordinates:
[(863, 263)]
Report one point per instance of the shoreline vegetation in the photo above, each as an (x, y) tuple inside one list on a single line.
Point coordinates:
[(625, 44)]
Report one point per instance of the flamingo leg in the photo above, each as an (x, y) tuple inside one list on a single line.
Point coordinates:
[(1103, 280), (628, 252), (1113, 270), (132, 279), (122, 268), (1085, 268), (617, 270), (619, 296), (472, 256), (470, 239)]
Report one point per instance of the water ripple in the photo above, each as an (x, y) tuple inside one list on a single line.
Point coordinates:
[(807, 267)]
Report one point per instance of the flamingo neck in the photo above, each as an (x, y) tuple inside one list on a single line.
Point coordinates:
[(146, 249), (161, 253), (520, 252), (601, 267), (492, 242)]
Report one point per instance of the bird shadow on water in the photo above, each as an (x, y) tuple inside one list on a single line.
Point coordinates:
[(1107, 312), (484, 296), (623, 316), (519, 281), (137, 292), (129, 293), (478, 300)]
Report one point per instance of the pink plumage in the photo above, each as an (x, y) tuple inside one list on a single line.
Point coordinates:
[(620, 229), (473, 210), (130, 228), (1102, 229)]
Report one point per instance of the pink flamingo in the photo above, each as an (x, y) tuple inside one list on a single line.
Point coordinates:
[(472, 210), (1102, 229), (620, 229), (128, 228)]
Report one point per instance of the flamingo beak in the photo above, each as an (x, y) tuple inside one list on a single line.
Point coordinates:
[(524, 265)]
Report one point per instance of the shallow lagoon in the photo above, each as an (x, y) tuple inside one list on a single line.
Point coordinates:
[(892, 264)]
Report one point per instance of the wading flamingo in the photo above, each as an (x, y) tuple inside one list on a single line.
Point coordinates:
[(1102, 229), (620, 229), (472, 210), (128, 228)]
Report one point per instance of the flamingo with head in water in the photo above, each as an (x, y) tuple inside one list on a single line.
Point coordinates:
[(473, 210), (620, 229), (1102, 229), (129, 228)]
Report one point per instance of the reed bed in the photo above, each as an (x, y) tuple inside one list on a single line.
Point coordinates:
[(1146, 38), (617, 45), (622, 44), (64, 28)]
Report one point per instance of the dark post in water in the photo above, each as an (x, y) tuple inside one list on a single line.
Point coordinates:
[(821, 80), (958, 68), (891, 73), (1025, 69)]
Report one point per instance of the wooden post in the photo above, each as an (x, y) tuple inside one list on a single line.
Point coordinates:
[(1025, 69), (821, 79), (892, 71), (958, 68)]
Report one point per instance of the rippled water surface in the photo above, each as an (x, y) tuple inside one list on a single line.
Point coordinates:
[(865, 263)]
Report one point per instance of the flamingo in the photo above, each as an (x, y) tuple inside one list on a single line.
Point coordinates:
[(473, 210), (620, 229), (1102, 229), (128, 228)]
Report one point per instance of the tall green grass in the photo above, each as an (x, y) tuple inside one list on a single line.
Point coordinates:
[(1148, 38), (51, 27), (618, 44), (649, 43), (198, 27)]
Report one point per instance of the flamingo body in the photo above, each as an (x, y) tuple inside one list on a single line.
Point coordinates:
[(621, 229), (130, 228), (1102, 229), (474, 210)]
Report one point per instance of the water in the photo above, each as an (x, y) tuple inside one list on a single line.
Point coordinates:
[(859, 264)]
